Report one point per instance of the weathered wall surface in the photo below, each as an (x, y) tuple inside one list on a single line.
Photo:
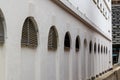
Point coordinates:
[(17, 63)]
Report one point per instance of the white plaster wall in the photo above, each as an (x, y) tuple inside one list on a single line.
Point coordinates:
[(40, 64), (93, 13)]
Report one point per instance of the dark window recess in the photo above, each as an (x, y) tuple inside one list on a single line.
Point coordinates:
[(90, 47), (67, 41), (101, 49), (77, 45), (29, 33), (98, 48), (52, 39), (104, 49), (95, 47)]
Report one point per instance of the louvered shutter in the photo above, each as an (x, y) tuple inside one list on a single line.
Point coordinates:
[(32, 34), (52, 39), (1, 30), (29, 34)]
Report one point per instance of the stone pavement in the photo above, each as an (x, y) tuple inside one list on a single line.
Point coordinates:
[(113, 74)]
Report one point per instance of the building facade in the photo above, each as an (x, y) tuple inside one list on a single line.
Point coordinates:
[(115, 30), (55, 39)]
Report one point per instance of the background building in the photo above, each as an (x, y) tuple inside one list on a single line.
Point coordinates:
[(116, 29), (55, 39)]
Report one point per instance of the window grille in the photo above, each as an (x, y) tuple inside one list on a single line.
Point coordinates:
[(67, 41), (29, 33), (77, 43), (52, 39)]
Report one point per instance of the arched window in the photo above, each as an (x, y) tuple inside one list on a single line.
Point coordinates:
[(98, 48), (29, 33), (95, 48), (104, 49), (101, 49), (2, 26), (77, 44), (90, 47), (67, 41), (52, 38)]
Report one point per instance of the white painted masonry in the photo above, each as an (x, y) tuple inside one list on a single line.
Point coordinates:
[(78, 17)]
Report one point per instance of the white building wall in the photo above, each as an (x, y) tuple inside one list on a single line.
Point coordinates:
[(92, 11), (17, 63)]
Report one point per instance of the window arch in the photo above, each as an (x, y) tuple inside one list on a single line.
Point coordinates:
[(67, 41), (52, 38), (95, 48), (77, 44), (90, 46), (2, 26), (29, 33)]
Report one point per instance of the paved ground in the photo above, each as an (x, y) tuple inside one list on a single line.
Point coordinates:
[(111, 75)]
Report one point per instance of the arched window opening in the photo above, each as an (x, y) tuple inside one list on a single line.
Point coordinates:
[(90, 47), (95, 48), (104, 49), (67, 41), (77, 44), (52, 38), (29, 33), (85, 43), (98, 48), (2, 26), (101, 49)]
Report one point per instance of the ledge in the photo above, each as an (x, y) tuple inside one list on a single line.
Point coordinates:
[(80, 16)]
